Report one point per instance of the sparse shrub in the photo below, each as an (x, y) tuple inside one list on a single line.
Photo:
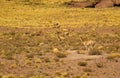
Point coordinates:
[(60, 55), (12, 33), (99, 65), (58, 73), (56, 59), (47, 60), (77, 77), (37, 60), (82, 63), (65, 74), (87, 70), (40, 54), (13, 65), (28, 62), (85, 75), (81, 52), (55, 50), (9, 56), (31, 55), (94, 52)]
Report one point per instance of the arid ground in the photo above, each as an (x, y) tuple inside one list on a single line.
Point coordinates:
[(60, 52), (50, 40)]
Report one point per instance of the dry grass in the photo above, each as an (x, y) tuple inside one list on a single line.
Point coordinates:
[(113, 56), (17, 14)]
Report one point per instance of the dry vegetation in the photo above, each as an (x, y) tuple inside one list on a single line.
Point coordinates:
[(20, 14), (46, 39)]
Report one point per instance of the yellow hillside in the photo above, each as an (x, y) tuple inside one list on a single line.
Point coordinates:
[(29, 13)]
